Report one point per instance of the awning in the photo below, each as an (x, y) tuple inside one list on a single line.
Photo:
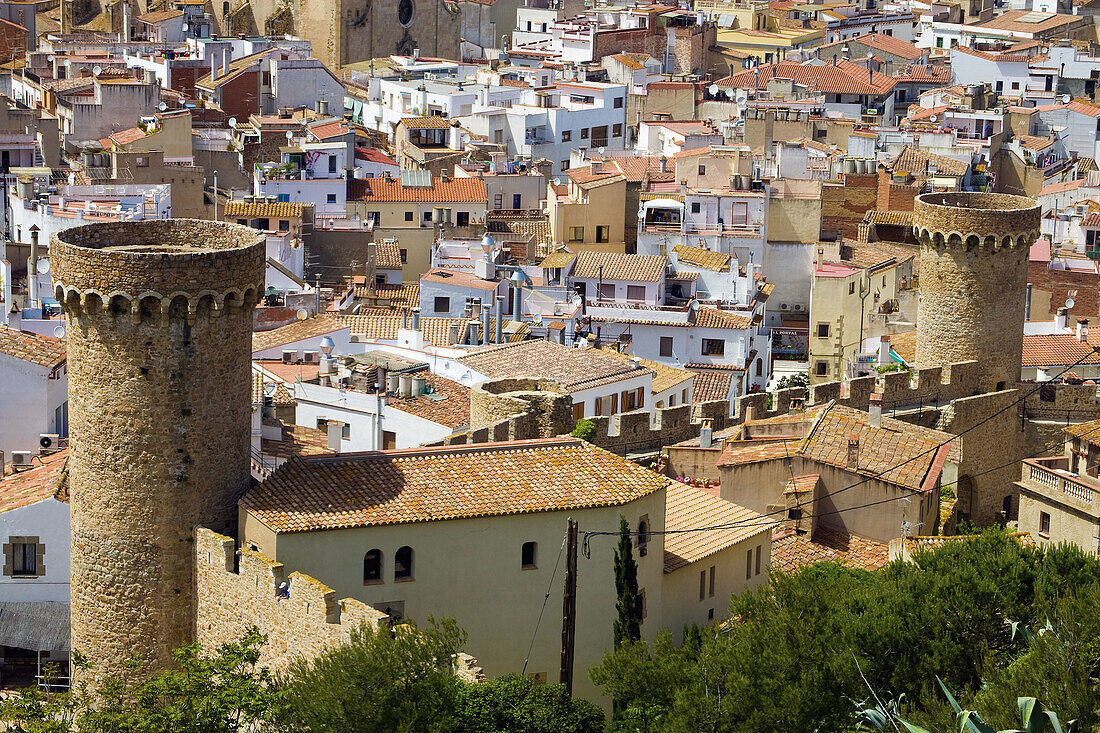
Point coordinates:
[(39, 626)]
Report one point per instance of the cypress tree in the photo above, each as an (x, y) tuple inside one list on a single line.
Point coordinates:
[(628, 625)]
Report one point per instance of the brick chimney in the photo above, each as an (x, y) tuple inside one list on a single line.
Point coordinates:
[(853, 451)]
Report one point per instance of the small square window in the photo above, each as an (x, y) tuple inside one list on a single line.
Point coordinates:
[(576, 234), (821, 368), (566, 135), (666, 346), (284, 225), (427, 216), (851, 288), (1044, 524), (823, 330), (584, 133), (404, 256), (331, 198), (696, 207), (528, 555), (618, 102), (442, 304), (603, 233), (23, 558), (702, 170), (617, 130), (409, 216), (714, 347)]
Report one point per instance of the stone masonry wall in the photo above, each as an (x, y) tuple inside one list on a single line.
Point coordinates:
[(231, 601), (973, 270), (159, 318)]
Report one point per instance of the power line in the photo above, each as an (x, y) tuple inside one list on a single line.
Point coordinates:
[(754, 522)]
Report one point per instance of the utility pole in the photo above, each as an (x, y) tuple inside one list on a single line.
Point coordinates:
[(569, 608)]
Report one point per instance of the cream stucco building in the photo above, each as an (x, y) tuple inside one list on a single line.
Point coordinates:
[(465, 531)]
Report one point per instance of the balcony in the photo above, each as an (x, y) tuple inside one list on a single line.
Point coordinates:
[(1050, 477)]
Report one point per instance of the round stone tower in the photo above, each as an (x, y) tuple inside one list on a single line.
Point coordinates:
[(159, 323), (973, 280)]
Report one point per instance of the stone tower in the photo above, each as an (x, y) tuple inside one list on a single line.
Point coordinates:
[(159, 322), (973, 280)]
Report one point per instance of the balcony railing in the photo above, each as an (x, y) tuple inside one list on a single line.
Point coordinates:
[(1051, 474)]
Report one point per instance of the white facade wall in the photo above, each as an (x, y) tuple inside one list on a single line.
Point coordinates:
[(340, 337), (48, 520), (29, 400)]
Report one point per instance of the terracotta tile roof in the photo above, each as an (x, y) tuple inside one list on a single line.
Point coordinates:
[(262, 210), (876, 254), (1026, 21), (448, 404), (897, 452), (458, 278), (704, 258), (921, 163), (588, 177), (260, 381), (1034, 142), (384, 327), (889, 218), (687, 507), (1019, 58), (918, 113), (327, 130), (453, 482), (1059, 349), (35, 484), (1062, 186), (711, 384), (707, 317), (881, 42), (844, 78), (574, 369), (664, 376), (537, 226), (41, 350), (744, 452), (433, 122), (405, 294), (633, 268), (925, 74), (297, 331), (387, 256), (683, 275), (793, 551), (159, 16), (373, 155), (451, 190), (557, 260), (626, 60), (637, 168), (1089, 431)]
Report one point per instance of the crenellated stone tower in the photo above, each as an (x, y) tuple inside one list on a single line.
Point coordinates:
[(973, 280), (159, 321)]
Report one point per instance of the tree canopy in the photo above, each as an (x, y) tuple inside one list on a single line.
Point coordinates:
[(803, 651)]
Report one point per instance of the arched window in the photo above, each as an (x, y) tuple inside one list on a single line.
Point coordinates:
[(403, 563), (528, 554), (643, 533), (372, 567)]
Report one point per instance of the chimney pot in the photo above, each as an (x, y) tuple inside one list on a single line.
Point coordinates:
[(874, 412), (1082, 329), (853, 451)]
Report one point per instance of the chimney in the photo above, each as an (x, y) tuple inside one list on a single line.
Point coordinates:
[(1060, 319), (213, 67), (416, 319), (322, 107), (853, 452), (820, 257), (125, 21), (635, 363), (486, 324), (664, 164), (471, 333), (1083, 329), (227, 59), (1027, 304), (683, 188), (416, 54), (883, 350), (874, 411), (335, 434), (706, 435), (500, 319), (32, 271)]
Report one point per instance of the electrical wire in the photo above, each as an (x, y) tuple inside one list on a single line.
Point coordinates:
[(549, 586), (755, 522)]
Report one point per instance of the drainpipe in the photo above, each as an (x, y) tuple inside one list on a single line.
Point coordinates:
[(500, 319)]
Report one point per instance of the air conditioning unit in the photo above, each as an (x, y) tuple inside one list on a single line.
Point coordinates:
[(49, 442), (784, 307), (798, 306), (311, 357), (21, 457), (289, 357)]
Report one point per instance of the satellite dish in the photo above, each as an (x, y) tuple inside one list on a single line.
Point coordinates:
[(44, 267), (1070, 302), (870, 54), (59, 332), (1066, 99), (302, 314), (185, 27), (97, 70), (162, 106), (932, 118), (50, 58), (714, 90), (641, 214), (730, 93), (233, 122), (289, 134), (557, 181), (601, 150)]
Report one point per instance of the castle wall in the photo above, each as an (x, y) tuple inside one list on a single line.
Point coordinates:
[(230, 601), (159, 317)]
